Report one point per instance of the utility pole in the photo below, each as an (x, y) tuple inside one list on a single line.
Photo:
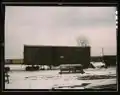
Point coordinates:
[(102, 55), (103, 58), (102, 52)]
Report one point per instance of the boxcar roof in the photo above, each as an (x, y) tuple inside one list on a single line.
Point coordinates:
[(51, 46)]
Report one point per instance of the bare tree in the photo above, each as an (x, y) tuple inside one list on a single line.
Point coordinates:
[(82, 41)]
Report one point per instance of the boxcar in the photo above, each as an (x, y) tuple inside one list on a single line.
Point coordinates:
[(56, 55)]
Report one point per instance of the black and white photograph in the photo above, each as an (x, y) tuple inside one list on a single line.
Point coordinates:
[(54, 47)]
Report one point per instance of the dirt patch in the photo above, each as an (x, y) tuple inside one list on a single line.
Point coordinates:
[(94, 77), (73, 86), (109, 86)]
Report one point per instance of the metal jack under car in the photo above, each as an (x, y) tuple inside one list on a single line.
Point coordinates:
[(71, 68)]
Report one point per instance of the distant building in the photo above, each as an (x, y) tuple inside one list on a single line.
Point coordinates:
[(96, 58), (110, 60), (14, 61), (8, 61)]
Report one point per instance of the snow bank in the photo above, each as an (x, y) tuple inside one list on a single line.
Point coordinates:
[(97, 64), (49, 79), (16, 67)]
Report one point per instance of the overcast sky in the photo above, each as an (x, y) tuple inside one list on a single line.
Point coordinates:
[(59, 26)]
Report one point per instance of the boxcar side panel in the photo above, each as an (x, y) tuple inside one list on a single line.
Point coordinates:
[(37, 55), (71, 55), (49, 55)]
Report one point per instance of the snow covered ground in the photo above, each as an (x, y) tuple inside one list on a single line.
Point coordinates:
[(49, 79)]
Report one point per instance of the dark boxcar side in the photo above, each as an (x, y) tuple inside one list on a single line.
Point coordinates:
[(62, 55), (55, 55), (44, 55), (37, 55), (72, 55), (28, 55), (86, 57)]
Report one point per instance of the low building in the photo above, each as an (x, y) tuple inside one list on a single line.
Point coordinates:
[(110, 60), (96, 58)]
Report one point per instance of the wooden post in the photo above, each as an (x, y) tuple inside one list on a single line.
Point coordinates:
[(103, 58), (50, 67), (7, 76)]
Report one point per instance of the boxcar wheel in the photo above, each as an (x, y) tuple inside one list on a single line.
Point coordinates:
[(82, 72), (60, 72), (27, 68), (6, 69)]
